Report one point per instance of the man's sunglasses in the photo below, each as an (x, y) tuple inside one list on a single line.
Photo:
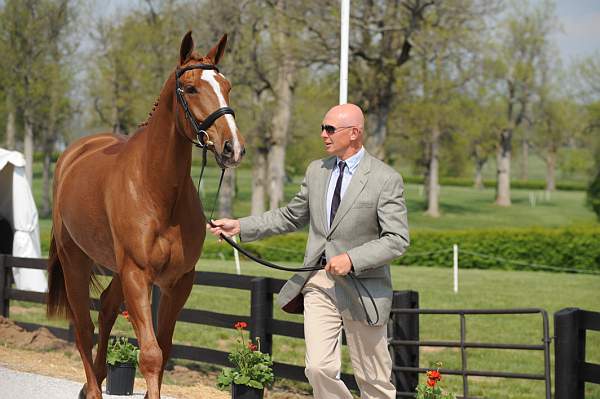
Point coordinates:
[(332, 129)]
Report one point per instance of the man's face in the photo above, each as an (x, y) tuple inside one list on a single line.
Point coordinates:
[(336, 135)]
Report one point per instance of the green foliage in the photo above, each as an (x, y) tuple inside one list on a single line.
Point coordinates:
[(251, 367), (120, 351), (574, 248), (593, 195), (517, 184)]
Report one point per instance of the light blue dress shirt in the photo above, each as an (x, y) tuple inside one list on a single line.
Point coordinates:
[(351, 166)]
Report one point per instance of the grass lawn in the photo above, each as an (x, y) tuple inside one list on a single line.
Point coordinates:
[(478, 289)]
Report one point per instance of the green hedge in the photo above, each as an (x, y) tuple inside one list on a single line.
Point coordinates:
[(489, 183), (576, 248)]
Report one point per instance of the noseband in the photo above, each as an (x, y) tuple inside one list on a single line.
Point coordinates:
[(200, 128)]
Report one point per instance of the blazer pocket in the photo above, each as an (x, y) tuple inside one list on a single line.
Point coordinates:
[(364, 204)]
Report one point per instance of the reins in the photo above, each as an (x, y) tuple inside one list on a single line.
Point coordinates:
[(203, 143)]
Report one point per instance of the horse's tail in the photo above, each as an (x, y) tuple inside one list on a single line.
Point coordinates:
[(58, 304)]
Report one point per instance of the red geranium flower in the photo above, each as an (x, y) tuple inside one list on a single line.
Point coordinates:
[(240, 325), (125, 314), (434, 375), (431, 383), (251, 346)]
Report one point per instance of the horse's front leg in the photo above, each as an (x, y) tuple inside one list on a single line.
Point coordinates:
[(171, 302), (136, 290)]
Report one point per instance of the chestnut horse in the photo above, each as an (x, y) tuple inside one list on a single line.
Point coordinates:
[(129, 205)]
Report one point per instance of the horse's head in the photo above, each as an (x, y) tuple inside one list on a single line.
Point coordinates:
[(203, 99)]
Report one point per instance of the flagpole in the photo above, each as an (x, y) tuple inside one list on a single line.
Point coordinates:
[(345, 30)]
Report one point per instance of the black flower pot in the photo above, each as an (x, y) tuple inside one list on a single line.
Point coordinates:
[(120, 379), (245, 392)]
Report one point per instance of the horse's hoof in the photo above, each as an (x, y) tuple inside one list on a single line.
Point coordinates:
[(82, 393)]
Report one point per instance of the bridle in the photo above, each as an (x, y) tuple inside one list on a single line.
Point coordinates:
[(200, 128), (203, 142)]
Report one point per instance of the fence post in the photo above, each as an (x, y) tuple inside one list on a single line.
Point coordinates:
[(4, 302), (261, 313), (154, 307), (569, 349), (405, 327)]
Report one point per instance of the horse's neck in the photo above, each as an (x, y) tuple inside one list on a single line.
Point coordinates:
[(167, 156)]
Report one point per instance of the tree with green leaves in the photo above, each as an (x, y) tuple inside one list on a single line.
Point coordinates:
[(444, 61), (32, 33), (522, 48), (588, 79)]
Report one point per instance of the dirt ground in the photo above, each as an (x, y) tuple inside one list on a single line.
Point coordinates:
[(41, 352)]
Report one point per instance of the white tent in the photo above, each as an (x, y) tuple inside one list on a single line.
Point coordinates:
[(18, 208)]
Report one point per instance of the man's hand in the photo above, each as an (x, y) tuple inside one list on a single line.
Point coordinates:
[(339, 265), (229, 227)]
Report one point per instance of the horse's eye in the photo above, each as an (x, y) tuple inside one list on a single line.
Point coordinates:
[(190, 90)]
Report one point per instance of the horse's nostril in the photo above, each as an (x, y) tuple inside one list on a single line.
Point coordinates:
[(228, 148), (243, 151)]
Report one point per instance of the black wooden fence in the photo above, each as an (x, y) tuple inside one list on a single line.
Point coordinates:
[(570, 325), (572, 371), (261, 322)]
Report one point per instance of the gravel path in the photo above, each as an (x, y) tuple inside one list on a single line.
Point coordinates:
[(21, 385)]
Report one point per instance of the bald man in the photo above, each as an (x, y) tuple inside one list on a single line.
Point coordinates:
[(354, 206)]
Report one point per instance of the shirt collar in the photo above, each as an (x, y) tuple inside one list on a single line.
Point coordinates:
[(353, 161)]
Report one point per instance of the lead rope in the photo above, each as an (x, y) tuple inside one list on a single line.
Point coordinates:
[(355, 280)]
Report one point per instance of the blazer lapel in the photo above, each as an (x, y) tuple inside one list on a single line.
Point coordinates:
[(322, 185), (356, 185)]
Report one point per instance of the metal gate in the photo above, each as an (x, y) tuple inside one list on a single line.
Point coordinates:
[(405, 350)]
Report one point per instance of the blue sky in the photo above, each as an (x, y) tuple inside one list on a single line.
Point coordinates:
[(580, 20)]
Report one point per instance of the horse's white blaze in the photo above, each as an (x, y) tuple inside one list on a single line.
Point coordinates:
[(209, 76)]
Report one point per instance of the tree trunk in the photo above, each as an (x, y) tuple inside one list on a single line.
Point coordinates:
[(28, 150), (478, 184), (116, 118), (259, 181), (227, 194), (433, 184), (377, 131), (503, 156), (551, 170), (10, 125), (524, 175), (279, 131), (46, 178)]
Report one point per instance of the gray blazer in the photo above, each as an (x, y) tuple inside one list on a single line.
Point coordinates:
[(370, 225)]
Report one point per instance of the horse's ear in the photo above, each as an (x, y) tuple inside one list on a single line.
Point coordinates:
[(187, 46), (216, 52)]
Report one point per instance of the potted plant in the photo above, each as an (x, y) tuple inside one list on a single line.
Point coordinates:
[(252, 369), (431, 389), (122, 359)]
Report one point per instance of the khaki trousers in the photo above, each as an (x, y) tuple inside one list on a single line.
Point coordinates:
[(368, 348)]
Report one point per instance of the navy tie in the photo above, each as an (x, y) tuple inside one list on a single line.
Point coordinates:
[(335, 201)]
